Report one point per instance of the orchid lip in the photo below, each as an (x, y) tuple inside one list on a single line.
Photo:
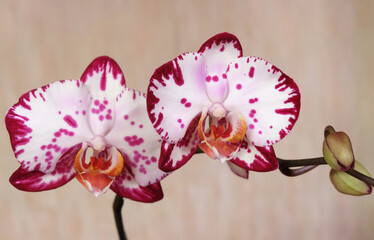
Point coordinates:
[(98, 173), (221, 138)]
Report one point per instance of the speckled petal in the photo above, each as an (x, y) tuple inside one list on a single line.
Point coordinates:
[(135, 138), (239, 171), (268, 99), (126, 186), (219, 51), (176, 94), (46, 122), (35, 181), (174, 156), (259, 159), (104, 80)]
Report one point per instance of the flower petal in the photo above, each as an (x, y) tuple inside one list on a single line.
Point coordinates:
[(104, 80), (46, 122), (259, 159), (268, 99), (35, 181), (135, 138), (239, 171), (219, 51), (126, 186), (174, 156), (176, 94)]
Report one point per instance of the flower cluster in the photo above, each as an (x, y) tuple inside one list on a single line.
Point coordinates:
[(97, 130)]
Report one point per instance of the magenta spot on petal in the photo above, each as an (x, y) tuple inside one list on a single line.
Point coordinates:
[(126, 117), (84, 112), (236, 65), (183, 100), (208, 78), (251, 101), (97, 102), (48, 153), (106, 102), (222, 48), (109, 110), (255, 120), (187, 105), (251, 72), (259, 132), (267, 141), (224, 76), (54, 139), (70, 121), (153, 159), (179, 120), (43, 147), (76, 112), (182, 125), (132, 123), (59, 112), (141, 126), (238, 86), (57, 134), (102, 107), (101, 117), (108, 117), (71, 134), (271, 126), (215, 78), (251, 126), (253, 111), (251, 115)]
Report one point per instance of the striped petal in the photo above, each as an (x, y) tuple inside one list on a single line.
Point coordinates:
[(268, 99), (35, 181), (46, 122), (135, 138), (176, 94), (259, 159), (126, 186), (104, 80)]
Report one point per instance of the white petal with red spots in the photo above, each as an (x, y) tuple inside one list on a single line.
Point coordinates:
[(135, 137), (104, 80), (268, 99), (219, 51), (46, 122), (176, 95)]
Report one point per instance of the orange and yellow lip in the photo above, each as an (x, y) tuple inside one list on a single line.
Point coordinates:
[(223, 137), (98, 174)]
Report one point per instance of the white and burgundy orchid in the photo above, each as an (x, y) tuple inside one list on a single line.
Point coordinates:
[(94, 129), (234, 108)]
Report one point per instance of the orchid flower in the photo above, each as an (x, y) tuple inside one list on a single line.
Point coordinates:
[(94, 129), (233, 108)]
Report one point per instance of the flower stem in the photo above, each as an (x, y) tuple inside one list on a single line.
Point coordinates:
[(117, 207), (285, 166)]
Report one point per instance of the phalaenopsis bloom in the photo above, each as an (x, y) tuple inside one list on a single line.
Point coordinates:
[(234, 108), (94, 129)]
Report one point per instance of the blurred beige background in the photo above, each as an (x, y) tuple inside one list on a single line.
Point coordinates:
[(326, 46)]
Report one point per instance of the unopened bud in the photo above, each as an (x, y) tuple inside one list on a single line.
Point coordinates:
[(345, 183), (328, 130), (337, 151)]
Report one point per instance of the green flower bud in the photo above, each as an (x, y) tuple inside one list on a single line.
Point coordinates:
[(328, 130), (337, 151), (347, 184)]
